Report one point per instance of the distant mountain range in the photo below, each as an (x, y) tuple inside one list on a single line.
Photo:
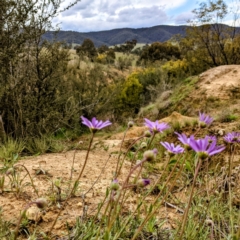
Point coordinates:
[(113, 37), (118, 36)]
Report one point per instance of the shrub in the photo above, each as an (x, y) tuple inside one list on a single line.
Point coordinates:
[(33, 100), (106, 58), (176, 69), (153, 80), (129, 98), (123, 63)]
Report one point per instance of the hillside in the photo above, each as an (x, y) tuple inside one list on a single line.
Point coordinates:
[(221, 81), (159, 33), (215, 91)]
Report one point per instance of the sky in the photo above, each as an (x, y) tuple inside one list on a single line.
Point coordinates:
[(98, 15)]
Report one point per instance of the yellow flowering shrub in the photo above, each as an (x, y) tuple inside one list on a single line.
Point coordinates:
[(101, 58), (176, 68)]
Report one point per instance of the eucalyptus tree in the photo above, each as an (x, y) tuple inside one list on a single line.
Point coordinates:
[(209, 42), (30, 69)]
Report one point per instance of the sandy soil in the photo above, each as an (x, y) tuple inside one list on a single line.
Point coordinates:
[(218, 81), (57, 167)]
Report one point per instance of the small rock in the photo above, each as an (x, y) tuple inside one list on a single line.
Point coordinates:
[(221, 132), (34, 214)]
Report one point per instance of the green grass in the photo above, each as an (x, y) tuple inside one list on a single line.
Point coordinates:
[(5, 232), (183, 90), (173, 103), (11, 148)]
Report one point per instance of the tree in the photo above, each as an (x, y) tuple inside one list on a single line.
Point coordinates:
[(208, 40), (87, 48), (31, 71), (103, 49), (105, 55), (110, 56), (127, 47), (160, 51)]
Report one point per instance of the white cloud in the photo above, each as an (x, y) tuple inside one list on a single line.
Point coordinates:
[(183, 18), (98, 15)]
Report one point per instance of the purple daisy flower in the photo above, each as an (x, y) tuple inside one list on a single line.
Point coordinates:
[(173, 149), (204, 148), (232, 137), (95, 125), (156, 127), (204, 119), (211, 138), (184, 139)]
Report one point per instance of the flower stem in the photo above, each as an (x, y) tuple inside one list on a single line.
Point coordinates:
[(72, 190), (150, 142), (120, 153), (85, 162), (121, 164), (231, 157), (185, 215)]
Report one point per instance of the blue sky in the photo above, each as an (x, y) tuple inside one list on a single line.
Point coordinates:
[(96, 15)]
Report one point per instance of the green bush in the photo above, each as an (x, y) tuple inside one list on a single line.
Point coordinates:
[(129, 99), (124, 63)]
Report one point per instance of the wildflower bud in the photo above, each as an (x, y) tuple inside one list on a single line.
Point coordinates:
[(143, 145), (114, 185), (143, 182), (209, 222), (149, 155), (10, 171), (147, 134), (130, 124), (41, 202)]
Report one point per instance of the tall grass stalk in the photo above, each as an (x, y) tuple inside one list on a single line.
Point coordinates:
[(32, 183)]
